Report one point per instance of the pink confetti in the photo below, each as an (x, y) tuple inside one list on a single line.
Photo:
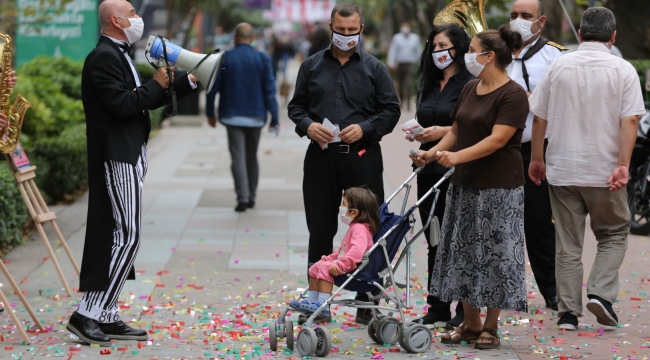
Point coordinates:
[(236, 261), (246, 230), (258, 278), (277, 254), (219, 252), (236, 279)]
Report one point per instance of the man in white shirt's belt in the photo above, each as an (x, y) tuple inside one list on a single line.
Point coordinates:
[(537, 53), (590, 101), (404, 52)]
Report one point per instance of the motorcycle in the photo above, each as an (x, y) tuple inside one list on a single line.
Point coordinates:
[(638, 186)]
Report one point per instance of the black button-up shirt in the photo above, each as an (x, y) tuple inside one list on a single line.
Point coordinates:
[(359, 92), (435, 108)]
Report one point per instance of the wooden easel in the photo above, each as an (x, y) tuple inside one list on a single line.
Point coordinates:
[(41, 214), (8, 309)]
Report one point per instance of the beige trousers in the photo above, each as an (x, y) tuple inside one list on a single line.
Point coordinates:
[(610, 222)]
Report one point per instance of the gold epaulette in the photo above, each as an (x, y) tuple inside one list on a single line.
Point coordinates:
[(556, 45)]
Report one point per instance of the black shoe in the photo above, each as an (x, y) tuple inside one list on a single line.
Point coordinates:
[(2, 309), (551, 302), (121, 331), (432, 319), (87, 330), (318, 320), (568, 321), (251, 204), (457, 319), (364, 316), (241, 207), (602, 308)]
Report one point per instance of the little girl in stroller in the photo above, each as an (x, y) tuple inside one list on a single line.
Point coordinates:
[(360, 211)]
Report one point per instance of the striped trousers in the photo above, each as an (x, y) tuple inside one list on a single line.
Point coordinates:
[(124, 182)]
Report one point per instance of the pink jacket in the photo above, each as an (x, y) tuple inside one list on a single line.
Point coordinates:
[(355, 243)]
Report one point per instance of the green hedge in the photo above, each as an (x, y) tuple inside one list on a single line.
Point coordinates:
[(62, 163), (13, 213), (641, 65)]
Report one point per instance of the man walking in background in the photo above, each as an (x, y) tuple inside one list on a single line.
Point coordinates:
[(527, 17), (591, 101), (247, 88), (403, 54)]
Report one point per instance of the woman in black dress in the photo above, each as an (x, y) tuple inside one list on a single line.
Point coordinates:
[(441, 77)]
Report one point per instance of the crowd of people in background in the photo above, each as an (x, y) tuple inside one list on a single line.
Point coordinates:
[(471, 96)]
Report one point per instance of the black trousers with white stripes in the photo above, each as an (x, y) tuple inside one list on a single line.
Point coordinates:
[(124, 182)]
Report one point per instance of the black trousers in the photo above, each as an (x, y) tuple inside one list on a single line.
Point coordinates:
[(326, 176), (539, 228), (425, 182)]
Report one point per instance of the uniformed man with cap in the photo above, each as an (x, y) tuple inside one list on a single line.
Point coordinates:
[(536, 54)]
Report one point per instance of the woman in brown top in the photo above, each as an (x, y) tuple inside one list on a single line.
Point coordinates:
[(480, 259)]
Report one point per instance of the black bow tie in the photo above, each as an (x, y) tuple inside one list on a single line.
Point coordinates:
[(126, 48)]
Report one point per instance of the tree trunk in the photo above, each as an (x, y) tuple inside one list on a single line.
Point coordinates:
[(186, 13), (632, 27), (192, 17)]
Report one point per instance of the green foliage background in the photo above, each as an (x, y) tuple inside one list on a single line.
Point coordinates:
[(54, 138)]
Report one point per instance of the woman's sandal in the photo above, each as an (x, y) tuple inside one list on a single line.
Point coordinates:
[(493, 341), (461, 333)]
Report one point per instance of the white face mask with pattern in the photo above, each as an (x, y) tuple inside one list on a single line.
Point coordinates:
[(345, 42)]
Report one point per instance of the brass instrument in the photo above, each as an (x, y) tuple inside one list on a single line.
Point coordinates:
[(469, 14), (16, 113)]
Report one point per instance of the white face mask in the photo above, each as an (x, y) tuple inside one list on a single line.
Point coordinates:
[(347, 220), (134, 32), (523, 27), (442, 58), (345, 42), (473, 66), (405, 29)]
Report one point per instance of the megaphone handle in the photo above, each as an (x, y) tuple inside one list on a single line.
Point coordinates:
[(174, 105), (170, 88)]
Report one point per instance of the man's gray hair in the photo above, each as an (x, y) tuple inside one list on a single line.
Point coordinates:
[(597, 24)]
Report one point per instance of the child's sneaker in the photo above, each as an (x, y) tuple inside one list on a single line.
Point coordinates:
[(297, 304), (311, 306)]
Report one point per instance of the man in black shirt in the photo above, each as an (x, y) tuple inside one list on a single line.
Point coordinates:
[(353, 90)]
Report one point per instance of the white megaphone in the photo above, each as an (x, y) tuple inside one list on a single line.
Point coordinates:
[(204, 67)]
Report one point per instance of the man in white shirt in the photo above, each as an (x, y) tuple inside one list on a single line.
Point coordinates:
[(591, 101), (404, 52), (527, 17)]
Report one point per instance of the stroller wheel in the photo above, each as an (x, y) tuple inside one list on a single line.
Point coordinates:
[(417, 339), (324, 344), (372, 330), (307, 342), (389, 330), (288, 330), (273, 337)]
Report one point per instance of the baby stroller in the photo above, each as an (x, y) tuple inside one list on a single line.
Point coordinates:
[(374, 270)]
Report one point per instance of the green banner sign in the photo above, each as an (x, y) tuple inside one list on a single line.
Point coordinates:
[(72, 33)]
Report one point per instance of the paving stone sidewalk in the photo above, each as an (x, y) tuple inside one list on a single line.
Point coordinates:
[(210, 281)]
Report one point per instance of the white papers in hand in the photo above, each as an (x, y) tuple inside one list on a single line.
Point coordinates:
[(413, 128), (334, 129)]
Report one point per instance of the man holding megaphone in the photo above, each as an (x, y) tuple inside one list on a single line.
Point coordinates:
[(116, 104)]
